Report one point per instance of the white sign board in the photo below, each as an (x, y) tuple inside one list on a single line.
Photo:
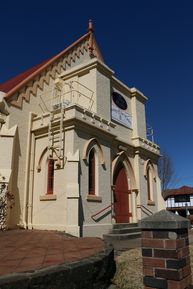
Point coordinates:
[(121, 116)]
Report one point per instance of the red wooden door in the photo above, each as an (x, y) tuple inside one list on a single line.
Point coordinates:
[(121, 197)]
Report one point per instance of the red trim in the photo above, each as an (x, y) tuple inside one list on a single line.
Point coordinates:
[(91, 172), (14, 81), (50, 184), (121, 198), (110, 206), (13, 85)]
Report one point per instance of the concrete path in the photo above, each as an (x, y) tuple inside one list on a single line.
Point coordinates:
[(25, 250)]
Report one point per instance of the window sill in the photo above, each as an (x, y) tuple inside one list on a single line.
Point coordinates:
[(150, 203), (48, 197), (93, 198)]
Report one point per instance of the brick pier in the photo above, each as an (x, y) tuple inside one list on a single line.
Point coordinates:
[(165, 251)]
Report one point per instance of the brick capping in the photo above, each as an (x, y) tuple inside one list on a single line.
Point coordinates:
[(164, 220), (165, 251)]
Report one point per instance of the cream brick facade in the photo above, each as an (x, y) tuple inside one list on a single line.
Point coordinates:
[(61, 113)]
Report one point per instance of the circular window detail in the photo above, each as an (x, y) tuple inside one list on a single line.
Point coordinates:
[(119, 100)]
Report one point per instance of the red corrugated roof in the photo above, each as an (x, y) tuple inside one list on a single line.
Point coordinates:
[(12, 85), (185, 190)]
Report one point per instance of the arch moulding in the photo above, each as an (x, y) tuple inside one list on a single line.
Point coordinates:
[(90, 144), (123, 158), (146, 164), (45, 150)]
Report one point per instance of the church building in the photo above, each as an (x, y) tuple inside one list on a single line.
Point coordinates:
[(74, 152)]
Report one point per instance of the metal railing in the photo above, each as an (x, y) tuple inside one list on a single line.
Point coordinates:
[(65, 94), (101, 211), (145, 210)]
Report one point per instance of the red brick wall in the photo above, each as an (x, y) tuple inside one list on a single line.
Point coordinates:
[(166, 260)]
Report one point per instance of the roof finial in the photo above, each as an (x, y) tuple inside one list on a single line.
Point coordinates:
[(90, 26), (90, 31)]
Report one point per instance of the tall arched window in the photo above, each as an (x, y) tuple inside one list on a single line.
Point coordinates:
[(50, 176), (149, 183), (92, 172), (149, 177)]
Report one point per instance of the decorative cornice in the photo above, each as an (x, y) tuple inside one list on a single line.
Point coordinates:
[(138, 94), (93, 142), (146, 144), (46, 65), (44, 77)]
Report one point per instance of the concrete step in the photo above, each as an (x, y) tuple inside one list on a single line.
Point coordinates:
[(126, 236), (124, 225), (125, 230)]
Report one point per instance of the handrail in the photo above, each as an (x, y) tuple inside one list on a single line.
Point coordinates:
[(145, 210), (94, 215)]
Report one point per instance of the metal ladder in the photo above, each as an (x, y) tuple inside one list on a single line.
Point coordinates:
[(56, 131)]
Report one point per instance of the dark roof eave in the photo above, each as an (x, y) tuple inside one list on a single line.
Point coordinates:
[(185, 190)]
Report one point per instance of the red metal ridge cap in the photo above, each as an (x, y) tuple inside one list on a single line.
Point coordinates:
[(26, 76), (184, 190)]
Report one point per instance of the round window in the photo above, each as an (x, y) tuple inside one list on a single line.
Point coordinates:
[(119, 100)]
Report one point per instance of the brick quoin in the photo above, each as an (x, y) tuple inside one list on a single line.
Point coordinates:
[(160, 234), (147, 234), (183, 284), (187, 260), (153, 243), (173, 244), (169, 274), (165, 253), (176, 264), (147, 252), (186, 271), (154, 262), (183, 252), (155, 282), (166, 257), (147, 271)]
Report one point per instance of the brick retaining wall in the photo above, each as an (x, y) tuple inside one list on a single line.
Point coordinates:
[(94, 272)]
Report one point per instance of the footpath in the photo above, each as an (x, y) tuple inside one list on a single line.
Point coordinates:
[(28, 250), (32, 250)]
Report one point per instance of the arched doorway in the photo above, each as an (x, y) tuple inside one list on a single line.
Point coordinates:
[(121, 198)]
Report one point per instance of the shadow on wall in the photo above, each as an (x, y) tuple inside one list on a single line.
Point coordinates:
[(80, 216), (16, 210), (80, 205), (102, 216)]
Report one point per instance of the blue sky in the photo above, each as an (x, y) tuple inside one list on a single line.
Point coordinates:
[(148, 43)]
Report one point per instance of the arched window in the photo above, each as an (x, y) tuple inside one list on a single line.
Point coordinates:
[(92, 172), (149, 177), (50, 176)]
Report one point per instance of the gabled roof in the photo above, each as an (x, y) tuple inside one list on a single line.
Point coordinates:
[(14, 81), (184, 190), (14, 84)]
